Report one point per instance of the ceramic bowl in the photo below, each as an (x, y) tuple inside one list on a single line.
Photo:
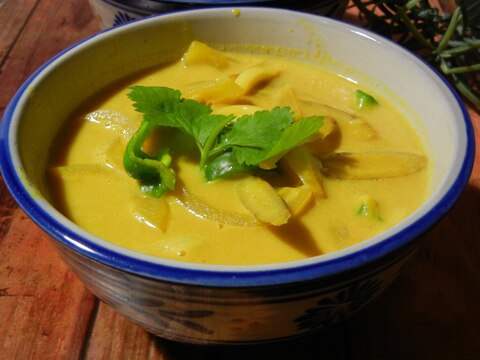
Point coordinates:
[(207, 304), (114, 12)]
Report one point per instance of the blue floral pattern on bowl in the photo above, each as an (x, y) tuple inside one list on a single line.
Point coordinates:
[(333, 309), (164, 317), (232, 315)]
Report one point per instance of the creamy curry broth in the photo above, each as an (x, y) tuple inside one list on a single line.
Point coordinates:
[(211, 224)]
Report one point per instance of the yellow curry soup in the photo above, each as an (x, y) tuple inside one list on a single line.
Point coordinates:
[(363, 170)]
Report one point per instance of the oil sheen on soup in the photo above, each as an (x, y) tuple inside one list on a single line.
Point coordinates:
[(361, 170)]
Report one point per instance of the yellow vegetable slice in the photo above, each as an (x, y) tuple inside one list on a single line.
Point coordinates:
[(73, 183), (254, 76), (114, 121), (113, 156), (298, 199), (150, 211), (153, 212), (356, 127), (201, 53), (215, 91), (372, 165), (287, 97), (326, 139), (362, 130), (312, 107), (239, 110), (261, 199), (303, 164), (206, 211)]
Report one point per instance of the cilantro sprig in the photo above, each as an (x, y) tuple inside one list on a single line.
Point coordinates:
[(227, 145)]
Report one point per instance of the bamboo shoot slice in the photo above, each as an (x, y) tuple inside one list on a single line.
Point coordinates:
[(200, 53), (372, 165), (348, 121), (152, 212), (205, 211), (73, 182), (115, 121), (113, 155), (261, 199), (239, 110), (326, 139), (254, 76), (287, 97), (303, 164), (298, 199), (313, 107), (362, 130), (215, 91)]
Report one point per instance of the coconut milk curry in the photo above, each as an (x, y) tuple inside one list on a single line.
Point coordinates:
[(360, 170)]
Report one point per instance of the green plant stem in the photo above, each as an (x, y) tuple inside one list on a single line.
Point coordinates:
[(448, 41), (452, 26), (413, 29), (474, 45), (210, 143), (462, 86), (460, 69), (411, 4)]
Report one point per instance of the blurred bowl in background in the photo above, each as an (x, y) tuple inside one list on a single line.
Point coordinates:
[(115, 12)]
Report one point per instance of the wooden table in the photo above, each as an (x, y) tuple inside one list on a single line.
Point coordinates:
[(431, 312)]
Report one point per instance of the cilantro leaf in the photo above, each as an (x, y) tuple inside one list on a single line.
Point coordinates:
[(227, 146), (295, 135), (225, 165), (163, 106), (268, 134), (203, 127), (259, 130)]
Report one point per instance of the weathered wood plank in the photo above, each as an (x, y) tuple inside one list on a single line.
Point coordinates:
[(13, 15), (56, 25), (44, 308), (7, 207), (113, 337)]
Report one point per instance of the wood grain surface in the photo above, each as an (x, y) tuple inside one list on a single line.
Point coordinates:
[(431, 312)]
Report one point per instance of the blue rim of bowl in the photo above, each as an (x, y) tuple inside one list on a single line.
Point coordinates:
[(320, 267)]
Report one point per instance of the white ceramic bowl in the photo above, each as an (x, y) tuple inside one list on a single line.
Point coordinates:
[(232, 304)]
